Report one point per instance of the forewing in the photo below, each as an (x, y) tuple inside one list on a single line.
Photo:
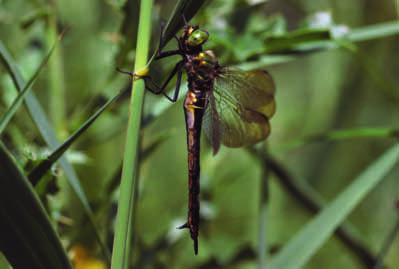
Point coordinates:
[(211, 123), (244, 103)]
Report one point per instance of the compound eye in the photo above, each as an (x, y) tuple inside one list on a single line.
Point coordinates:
[(197, 38)]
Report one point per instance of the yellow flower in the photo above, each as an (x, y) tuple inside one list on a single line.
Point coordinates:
[(82, 259)]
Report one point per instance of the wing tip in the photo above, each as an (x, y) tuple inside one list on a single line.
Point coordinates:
[(215, 148)]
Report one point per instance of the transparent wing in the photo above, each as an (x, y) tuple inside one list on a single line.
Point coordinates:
[(239, 108)]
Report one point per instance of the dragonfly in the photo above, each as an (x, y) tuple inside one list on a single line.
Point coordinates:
[(232, 106)]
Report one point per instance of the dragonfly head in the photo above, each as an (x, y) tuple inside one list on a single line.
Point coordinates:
[(196, 37)]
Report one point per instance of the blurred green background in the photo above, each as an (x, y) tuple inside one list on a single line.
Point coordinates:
[(353, 87)]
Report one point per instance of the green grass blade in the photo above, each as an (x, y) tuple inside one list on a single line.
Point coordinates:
[(145, 153), (36, 174), (3, 262), (5, 119), (304, 245), (49, 136), (375, 31), (124, 218), (337, 135), (27, 238)]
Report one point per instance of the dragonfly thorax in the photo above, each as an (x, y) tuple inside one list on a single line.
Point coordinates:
[(202, 68)]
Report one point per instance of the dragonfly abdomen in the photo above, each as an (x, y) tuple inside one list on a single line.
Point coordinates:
[(194, 107)]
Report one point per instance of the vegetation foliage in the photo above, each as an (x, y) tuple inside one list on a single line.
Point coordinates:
[(93, 170)]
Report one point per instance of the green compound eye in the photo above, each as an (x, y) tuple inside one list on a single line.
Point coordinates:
[(197, 38)]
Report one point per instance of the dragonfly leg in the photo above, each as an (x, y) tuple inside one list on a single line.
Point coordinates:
[(156, 89), (178, 42), (177, 88), (163, 23), (125, 72), (163, 54), (184, 19)]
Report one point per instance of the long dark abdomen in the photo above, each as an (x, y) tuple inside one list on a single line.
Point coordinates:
[(194, 107)]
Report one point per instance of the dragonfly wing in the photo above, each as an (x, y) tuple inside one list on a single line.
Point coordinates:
[(243, 104), (211, 123)]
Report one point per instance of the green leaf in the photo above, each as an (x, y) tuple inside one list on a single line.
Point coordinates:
[(291, 41), (3, 262), (266, 61), (246, 46), (27, 238), (36, 174), (48, 134), (188, 8), (282, 53), (5, 119), (308, 40), (305, 244), (337, 135), (375, 31)]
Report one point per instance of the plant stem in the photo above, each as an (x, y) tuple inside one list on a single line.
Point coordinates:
[(122, 240)]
